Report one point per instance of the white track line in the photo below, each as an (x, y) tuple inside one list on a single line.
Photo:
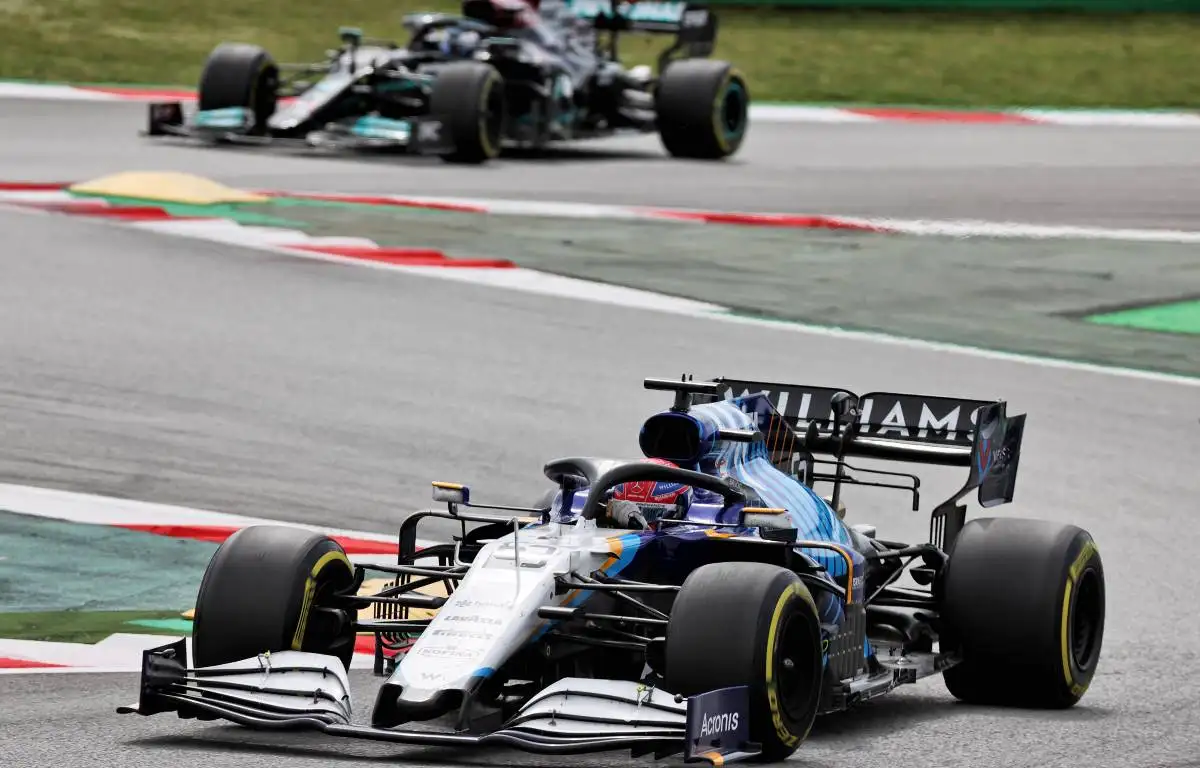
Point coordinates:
[(121, 652), (90, 509), (883, 226), (766, 112), (558, 286)]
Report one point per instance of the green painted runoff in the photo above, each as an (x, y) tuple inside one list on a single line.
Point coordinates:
[(1180, 317)]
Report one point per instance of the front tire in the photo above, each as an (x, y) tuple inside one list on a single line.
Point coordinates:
[(703, 108), (268, 589), (1023, 602), (751, 624), (240, 75), (468, 96)]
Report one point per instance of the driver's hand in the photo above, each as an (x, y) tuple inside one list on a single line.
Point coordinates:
[(626, 514)]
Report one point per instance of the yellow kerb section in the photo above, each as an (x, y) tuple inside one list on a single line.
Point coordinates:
[(169, 187)]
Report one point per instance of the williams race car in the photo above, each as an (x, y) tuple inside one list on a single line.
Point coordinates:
[(706, 601), (466, 85)]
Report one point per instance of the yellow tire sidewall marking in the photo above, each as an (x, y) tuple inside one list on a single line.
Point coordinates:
[(310, 589), (718, 106), (781, 730), (485, 140), (1073, 573)]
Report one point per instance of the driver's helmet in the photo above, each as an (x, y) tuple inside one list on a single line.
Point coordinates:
[(505, 14), (458, 42), (655, 497)]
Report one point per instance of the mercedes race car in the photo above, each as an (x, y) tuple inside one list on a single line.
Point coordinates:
[(465, 86), (705, 601)]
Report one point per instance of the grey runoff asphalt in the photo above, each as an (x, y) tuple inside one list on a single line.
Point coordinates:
[(185, 372)]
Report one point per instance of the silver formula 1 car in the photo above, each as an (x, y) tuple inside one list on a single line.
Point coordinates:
[(704, 601)]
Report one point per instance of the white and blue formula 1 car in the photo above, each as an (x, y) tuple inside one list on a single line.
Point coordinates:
[(705, 602)]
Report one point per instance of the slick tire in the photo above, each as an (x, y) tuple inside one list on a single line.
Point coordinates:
[(468, 96), (240, 75), (1023, 602), (751, 624), (267, 589), (702, 108)]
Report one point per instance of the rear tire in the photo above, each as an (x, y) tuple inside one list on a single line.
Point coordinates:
[(240, 75), (751, 624), (702, 107), (1023, 601), (267, 589), (468, 96)]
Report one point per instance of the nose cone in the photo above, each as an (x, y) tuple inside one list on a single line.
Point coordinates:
[(395, 704)]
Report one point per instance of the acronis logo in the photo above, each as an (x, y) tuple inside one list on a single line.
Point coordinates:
[(722, 722)]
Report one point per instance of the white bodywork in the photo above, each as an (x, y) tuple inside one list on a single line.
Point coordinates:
[(293, 682), (624, 705), (491, 615), (493, 611)]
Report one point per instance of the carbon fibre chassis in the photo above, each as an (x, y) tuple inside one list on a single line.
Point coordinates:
[(425, 136)]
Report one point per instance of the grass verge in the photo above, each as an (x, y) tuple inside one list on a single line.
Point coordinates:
[(80, 626), (1094, 60)]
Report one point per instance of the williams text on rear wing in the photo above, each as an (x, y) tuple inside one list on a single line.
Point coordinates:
[(926, 429)]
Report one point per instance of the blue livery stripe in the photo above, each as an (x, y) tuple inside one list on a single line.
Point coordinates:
[(750, 464)]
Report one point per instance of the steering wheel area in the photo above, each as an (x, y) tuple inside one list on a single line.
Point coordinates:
[(430, 34), (599, 490)]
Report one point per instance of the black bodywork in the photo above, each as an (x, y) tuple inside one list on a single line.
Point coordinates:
[(379, 94)]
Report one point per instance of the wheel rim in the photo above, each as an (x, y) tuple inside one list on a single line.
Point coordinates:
[(795, 680), (733, 110), (330, 628), (1086, 620), (264, 99)]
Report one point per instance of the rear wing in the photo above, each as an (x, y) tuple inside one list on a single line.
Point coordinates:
[(926, 429), (693, 25)]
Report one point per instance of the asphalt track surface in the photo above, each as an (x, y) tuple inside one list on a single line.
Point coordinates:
[(1017, 295), (1113, 177), (191, 373), (177, 371)]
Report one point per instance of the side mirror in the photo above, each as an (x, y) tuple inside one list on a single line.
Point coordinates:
[(451, 493), (350, 35)]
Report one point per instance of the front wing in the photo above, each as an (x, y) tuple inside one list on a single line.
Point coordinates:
[(424, 135), (293, 690)]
